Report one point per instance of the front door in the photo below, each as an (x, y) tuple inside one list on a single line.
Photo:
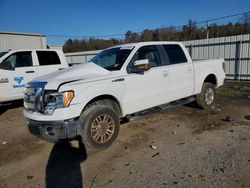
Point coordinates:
[(147, 89), (15, 71)]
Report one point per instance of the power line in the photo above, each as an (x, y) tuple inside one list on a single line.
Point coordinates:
[(214, 19), (223, 17), (87, 36), (122, 34)]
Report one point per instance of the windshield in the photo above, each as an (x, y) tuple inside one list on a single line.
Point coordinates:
[(112, 59), (2, 54)]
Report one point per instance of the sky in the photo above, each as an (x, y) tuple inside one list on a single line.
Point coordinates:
[(107, 17)]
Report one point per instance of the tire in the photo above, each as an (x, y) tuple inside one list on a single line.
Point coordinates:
[(206, 98), (99, 126)]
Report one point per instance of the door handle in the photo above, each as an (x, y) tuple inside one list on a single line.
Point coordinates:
[(189, 69), (60, 68), (118, 80), (29, 71)]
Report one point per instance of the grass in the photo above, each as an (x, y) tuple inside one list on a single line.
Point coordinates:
[(235, 89)]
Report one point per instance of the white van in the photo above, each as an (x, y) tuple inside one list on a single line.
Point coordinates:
[(18, 67)]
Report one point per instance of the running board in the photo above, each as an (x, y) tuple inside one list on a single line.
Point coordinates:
[(161, 108)]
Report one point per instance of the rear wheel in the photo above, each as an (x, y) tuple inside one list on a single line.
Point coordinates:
[(99, 126), (206, 98)]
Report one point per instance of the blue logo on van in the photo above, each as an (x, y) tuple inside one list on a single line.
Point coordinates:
[(19, 81)]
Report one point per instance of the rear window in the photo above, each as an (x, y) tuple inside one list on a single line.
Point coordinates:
[(175, 54), (48, 58)]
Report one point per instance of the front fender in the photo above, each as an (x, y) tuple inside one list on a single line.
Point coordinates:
[(84, 96)]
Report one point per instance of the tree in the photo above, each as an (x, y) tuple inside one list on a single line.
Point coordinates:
[(68, 46), (147, 35), (188, 32), (245, 18), (128, 36)]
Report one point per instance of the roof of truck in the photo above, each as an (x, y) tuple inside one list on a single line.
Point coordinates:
[(138, 44), (39, 49)]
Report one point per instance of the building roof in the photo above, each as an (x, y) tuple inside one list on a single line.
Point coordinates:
[(19, 33)]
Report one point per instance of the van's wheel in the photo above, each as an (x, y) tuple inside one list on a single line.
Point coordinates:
[(206, 98), (99, 126)]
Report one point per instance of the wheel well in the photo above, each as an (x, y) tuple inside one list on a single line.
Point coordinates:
[(211, 78), (108, 100)]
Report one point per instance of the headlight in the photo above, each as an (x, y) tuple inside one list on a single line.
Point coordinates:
[(57, 100)]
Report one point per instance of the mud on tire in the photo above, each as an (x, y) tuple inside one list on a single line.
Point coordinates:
[(99, 126), (206, 98)]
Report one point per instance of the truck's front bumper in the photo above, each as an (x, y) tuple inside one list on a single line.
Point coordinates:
[(73, 111), (53, 131)]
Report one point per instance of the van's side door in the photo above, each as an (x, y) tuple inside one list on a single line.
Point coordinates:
[(16, 70)]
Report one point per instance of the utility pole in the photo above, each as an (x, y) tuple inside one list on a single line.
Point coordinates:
[(207, 29)]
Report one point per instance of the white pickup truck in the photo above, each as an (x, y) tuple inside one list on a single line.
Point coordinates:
[(18, 67), (90, 100)]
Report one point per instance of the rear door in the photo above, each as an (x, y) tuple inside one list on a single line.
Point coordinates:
[(181, 72), (48, 61), (16, 70)]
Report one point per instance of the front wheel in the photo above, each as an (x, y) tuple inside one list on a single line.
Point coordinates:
[(99, 126), (206, 98)]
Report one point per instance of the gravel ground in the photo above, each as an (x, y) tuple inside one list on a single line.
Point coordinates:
[(183, 147)]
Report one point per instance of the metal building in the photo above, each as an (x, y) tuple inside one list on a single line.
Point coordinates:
[(80, 57), (234, 49), (13, 40), (55, 46)]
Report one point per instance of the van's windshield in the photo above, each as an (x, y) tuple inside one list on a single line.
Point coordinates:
[(112, 59)]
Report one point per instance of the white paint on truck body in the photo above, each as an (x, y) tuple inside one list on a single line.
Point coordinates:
[(134, 92)]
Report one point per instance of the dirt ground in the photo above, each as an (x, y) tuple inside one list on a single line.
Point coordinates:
[(182, 147)]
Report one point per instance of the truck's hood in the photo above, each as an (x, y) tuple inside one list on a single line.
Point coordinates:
[(86, 71)]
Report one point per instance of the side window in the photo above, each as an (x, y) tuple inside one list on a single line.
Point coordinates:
[(147, 52), (18, 59), (175, 54), (48, 58)]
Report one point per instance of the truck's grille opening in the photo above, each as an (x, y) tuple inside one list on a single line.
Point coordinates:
[(34, 130)]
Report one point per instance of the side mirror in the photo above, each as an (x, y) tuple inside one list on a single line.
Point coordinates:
[(140, 66)]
